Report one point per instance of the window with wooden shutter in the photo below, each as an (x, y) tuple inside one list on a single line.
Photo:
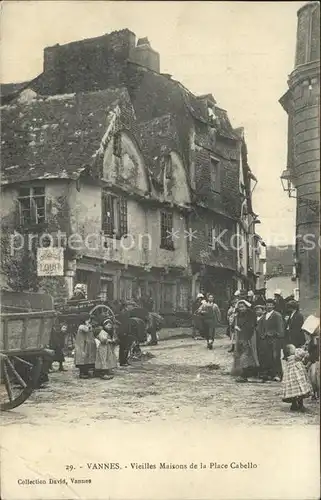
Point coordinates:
[(167, 230), (215, 175), (122, 216), (108, 214), (114, 215)]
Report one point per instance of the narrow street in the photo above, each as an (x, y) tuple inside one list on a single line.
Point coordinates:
[(178, 380)]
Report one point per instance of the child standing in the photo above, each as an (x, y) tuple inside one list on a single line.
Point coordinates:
[(85, 349), (295, 380), (106, 359)]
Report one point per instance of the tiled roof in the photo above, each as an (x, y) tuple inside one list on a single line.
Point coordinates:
[(158, 137), (223, 124), (198, 109), (57, 136), (9, 91)]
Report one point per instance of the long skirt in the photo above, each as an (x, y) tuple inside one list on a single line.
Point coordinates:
[(85, 349), (105, 357), (295, 380), (245, 357), (314, 377)]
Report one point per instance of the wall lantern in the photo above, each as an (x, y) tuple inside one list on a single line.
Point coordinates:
[(286, 180)]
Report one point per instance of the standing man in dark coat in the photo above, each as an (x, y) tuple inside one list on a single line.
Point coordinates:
[(280, 304), (293, 327), (274, 328)]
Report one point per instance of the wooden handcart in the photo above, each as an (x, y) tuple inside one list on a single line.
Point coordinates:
[(24, 344)]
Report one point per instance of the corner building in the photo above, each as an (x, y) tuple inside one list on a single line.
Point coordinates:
[(302, 104)]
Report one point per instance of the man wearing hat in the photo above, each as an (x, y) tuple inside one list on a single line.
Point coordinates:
[(280, 305), (293, 326), (274, 329), (250, 297)]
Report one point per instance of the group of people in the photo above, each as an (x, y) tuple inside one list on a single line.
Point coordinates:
[(93, 341), (261, 330), (95, 349)]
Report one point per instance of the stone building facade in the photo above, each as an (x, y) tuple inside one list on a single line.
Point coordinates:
[(302, 104), (102, 129)]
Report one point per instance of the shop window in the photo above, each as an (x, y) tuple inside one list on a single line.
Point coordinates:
[(167, 230), (126, 288), (167, 296), (106, 289), (114, 215), (183, 297), (32, 205)]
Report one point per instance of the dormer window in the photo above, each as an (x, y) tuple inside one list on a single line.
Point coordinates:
[(212, 118)]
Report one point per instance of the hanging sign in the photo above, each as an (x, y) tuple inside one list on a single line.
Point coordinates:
[(50, 261)]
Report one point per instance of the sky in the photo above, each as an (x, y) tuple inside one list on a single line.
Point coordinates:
[(241, 52)]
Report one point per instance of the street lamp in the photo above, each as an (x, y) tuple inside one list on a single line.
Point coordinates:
[(286, 180), (288, 187)]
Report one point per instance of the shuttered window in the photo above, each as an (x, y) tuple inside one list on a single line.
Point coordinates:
[(167, 230), (215, 176), (122, 215), (114, 215)]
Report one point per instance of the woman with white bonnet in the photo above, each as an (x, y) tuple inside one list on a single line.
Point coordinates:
[(79, 292), (311, 329), (245, 359)]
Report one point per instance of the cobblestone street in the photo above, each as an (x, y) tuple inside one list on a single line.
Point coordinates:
[(182, 381)]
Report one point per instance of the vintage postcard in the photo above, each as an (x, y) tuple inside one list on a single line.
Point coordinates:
[(160, 183)]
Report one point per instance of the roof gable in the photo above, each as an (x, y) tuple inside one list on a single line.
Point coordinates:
[(56, 136)]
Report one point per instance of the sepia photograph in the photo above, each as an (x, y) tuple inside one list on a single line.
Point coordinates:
[(160, 245)]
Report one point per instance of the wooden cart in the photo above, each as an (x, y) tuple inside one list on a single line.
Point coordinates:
[(24, 345)]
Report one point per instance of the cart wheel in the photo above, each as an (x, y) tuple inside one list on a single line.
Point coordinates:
[(102, 309), (19, 377)]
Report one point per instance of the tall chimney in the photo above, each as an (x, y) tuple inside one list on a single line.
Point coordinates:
[(144, 55)]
